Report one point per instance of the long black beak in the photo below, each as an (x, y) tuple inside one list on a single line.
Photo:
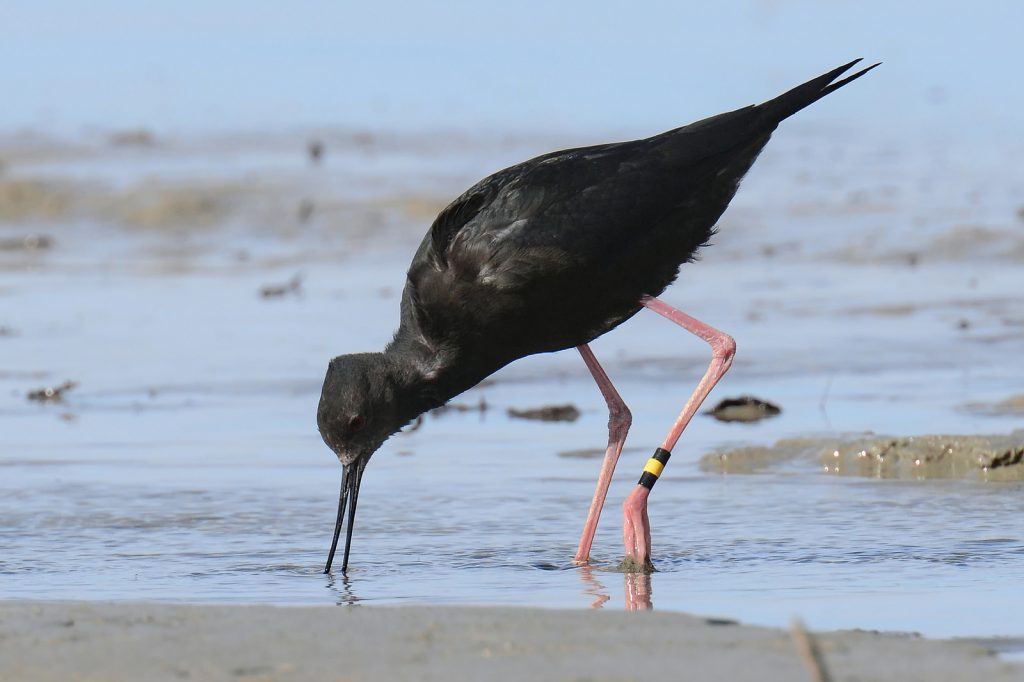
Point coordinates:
[(350, 478)]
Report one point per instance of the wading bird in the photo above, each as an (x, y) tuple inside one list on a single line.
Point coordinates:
[(547, 255)]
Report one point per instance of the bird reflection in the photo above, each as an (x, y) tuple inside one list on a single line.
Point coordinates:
[(593, 587), (636, 590), (342, 589)]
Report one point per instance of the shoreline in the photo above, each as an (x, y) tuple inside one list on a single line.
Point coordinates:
[(44, 641)]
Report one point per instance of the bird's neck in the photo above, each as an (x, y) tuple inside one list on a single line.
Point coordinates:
[(413, 382), (424, 376)]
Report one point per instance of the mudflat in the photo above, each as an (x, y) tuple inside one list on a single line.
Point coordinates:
[(137, 641)]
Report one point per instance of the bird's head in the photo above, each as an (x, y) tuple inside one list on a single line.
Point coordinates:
[(358, 408), (361, 405)]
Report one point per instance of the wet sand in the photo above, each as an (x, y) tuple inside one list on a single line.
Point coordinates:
[(971, 457), (89, 641)]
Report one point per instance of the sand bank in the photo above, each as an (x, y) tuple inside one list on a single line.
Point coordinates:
[(102, 641), (971, 457)]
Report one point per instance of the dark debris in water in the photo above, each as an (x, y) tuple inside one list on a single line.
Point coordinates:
[(306, 208), (135, 137), (315, 151), (745, 409), (51, 394), (292, 286), (29, 242), (548, 413)]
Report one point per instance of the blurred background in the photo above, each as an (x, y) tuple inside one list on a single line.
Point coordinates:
[(593, 67), (201, 203)]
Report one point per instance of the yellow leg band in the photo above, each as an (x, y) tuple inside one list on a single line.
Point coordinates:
[(654, 467)]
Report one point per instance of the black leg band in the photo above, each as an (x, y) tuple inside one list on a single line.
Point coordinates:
[(655, 465)]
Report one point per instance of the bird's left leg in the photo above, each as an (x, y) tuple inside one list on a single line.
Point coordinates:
[(619, 420), (636, 530)]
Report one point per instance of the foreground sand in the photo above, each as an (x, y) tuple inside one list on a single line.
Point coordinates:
[(100, 641)]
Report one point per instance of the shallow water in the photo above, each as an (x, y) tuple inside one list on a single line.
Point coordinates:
[(187, 467)]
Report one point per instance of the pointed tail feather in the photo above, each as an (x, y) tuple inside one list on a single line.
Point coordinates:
[(788, 103)]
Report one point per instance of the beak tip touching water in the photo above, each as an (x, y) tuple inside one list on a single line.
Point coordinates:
[(349, 495)]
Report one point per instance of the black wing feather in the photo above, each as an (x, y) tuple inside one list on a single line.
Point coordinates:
[(458, 213)]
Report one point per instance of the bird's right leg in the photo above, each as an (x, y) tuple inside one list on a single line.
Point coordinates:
[(636, 530), (619, 421)]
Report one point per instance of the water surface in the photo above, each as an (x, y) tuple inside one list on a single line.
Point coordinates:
[(187, 467)]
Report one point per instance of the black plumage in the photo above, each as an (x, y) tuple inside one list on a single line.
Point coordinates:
[(546, 255)]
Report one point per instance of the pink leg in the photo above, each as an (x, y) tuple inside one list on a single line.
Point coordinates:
[(619, 420), (636, 528)]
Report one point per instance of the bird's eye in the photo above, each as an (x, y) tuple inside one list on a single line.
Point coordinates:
[(356, 422)]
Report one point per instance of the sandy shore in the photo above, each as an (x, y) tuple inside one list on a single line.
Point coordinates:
[(101, 641)]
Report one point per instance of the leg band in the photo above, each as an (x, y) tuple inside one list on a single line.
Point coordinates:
[(655, 465)]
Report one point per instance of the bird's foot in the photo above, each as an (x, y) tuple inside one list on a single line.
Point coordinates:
[(634, 565), (636, 532)]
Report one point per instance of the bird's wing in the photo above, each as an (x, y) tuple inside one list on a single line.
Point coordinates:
[(459, 213), (540, 203), (512, 196)]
